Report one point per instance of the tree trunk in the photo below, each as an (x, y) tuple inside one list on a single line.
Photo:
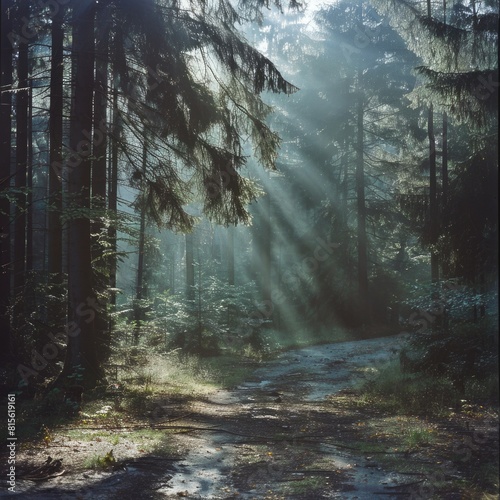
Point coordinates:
[(264, 249), (433, 205), (344, 164), (230, 255), (444, 188), (99, 165), (261, 234), (139, 290), (5, 173), (81, 353), (22, 98), (56, 310), (113, 193), (56, 146), (29, 196), (361, 208), (190, 267)]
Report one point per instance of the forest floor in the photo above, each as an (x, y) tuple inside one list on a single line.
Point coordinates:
[(298, 428)]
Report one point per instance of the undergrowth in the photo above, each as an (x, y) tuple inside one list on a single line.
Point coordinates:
[(423, 394)]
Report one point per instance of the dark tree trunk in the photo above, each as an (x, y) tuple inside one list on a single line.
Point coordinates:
[(139, 290), (100, 108), (5, 173), (29, 195), (345, 184), (266, 251), (81, 352), (230, 255), (190, 266), (444, 180), (113, 193), (99, 166), (22, 98), (56, 146), (56, 310), (433, 203), (361, 208)]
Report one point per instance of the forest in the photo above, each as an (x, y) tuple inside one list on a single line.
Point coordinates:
[(249, 249)]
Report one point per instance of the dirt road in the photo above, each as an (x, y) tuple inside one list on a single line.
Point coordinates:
[(279, 435)]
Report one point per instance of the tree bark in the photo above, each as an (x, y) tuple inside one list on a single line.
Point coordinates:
[(5, 173), (266, 258), (29, 196), (99, 166), (433, 203), (139, 290), (22, 98), (81, 353), (113, 193), (190, 266), (344, 165), (361, 207), (230, 255), (56, 146)]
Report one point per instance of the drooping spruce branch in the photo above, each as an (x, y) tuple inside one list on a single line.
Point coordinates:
[(199, 124), (470, 96)]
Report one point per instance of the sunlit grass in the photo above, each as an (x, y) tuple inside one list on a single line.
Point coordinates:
[(96, 461), (416, 437), (174, 374)]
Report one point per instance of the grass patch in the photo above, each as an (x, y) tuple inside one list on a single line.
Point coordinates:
[(231, 370), (308, 485), (103, 462), (417, 394), (173, 373), (415, 438)]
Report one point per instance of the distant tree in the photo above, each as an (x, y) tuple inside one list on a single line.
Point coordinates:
[(460, 65), (372, 76)]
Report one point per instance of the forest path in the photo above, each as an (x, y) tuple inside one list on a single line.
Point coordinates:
[(270, 436), (282, 434)]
